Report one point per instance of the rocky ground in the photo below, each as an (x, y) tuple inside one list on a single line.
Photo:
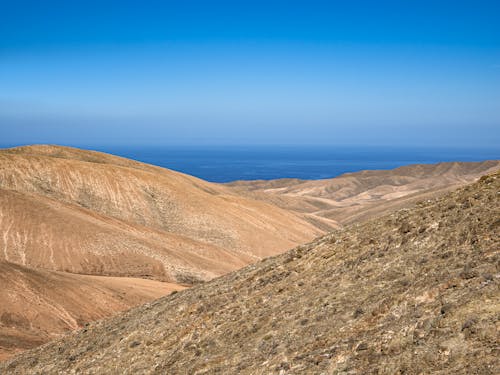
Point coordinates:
[(415, 292)]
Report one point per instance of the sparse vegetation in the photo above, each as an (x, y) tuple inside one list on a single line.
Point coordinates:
[(367, 299)]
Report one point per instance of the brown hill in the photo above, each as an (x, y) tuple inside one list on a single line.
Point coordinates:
[(354, 197), (413, 292), (41, 232), (38, 306), (84, 212), (121, 217)]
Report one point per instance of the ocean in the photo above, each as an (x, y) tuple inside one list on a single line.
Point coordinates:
[(230, 163)]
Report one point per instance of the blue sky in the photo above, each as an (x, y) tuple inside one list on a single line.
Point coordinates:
[(250, 72)]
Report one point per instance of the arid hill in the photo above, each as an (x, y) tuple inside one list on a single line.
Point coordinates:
[(38, 306), (80, 211), (359, 196), (66, 214), (44, 233), (413, 292), (88, 213)]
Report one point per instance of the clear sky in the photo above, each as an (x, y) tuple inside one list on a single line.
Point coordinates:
[(250, 72)]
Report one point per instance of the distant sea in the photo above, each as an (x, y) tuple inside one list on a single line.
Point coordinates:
[(224, 164)]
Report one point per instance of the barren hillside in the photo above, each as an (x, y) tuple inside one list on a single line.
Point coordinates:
[(88, 213), (41, 232), (413, 292), (38, 306), (354, 197), (121, 217)]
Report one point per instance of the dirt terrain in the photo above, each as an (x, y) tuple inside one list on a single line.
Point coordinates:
[(103, 231), (41, 232), (413, 292), (38, 306), (359, 196), (88, 213), (81, 211)]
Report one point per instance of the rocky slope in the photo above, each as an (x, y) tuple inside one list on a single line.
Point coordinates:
[(359, 196), (413, 292), (38, 306)]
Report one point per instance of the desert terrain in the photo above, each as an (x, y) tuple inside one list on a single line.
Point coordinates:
[(39, 305), (84, 235), (359, 196), (415, 291)]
